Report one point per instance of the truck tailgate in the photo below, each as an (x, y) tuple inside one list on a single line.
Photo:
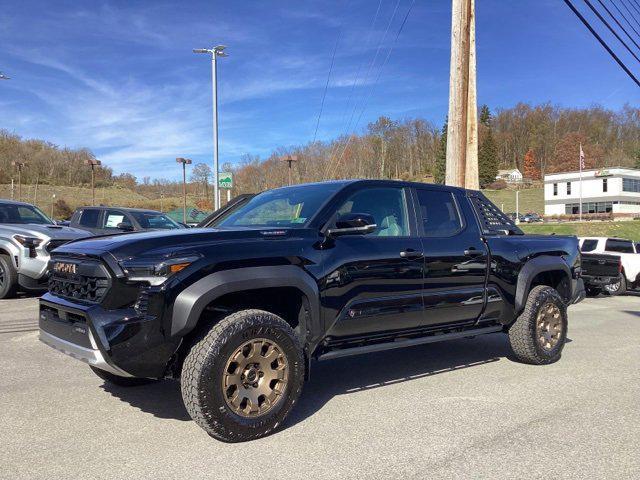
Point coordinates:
[(599, 265)]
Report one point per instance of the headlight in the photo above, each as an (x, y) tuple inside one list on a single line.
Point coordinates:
[(155, 271), (30, 243)]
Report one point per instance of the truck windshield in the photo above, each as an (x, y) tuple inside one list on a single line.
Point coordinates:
[(23, 214), (283, 207)]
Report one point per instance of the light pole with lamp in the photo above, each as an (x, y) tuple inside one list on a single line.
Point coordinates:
[(215, 52), (94, 163), (184, 162), (20, 166)]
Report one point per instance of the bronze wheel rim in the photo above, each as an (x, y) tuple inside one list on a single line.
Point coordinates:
[(255, 377), (549, 326)]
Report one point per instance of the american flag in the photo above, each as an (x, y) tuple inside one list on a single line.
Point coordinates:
[(582, 166)]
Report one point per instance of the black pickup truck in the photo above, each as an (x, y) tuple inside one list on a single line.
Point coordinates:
[(600, 270), (239, 311)]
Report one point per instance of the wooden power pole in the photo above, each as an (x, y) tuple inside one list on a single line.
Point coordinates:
[(462, 133)]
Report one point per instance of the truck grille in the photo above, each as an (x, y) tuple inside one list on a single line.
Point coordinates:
[(90, 283)]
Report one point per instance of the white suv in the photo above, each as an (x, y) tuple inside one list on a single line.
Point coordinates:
[(629, 254)]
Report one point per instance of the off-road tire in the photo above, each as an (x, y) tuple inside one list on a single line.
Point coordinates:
[(204, 367), (522, 334), (121, 381), (9, 278), (620, 290)]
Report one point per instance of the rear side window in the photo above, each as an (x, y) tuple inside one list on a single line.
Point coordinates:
[(619, 246), (439, 213), (589, 245), (89, 218), (113, 218)]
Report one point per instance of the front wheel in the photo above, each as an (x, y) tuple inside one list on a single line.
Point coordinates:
[(243, 378), (538, 335), (8, 278), (618, 287)]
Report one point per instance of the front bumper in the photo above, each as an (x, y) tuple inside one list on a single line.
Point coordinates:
[(118, 341)]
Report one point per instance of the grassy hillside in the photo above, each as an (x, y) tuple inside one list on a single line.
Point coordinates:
[(629, 229), (78, 196), (531, 200)]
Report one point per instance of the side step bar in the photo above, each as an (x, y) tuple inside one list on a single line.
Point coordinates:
[(378, 347)]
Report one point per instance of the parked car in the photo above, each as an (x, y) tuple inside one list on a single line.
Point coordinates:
[(111, 220), (629, 256), (317, 271), (531, 218), (600, 270), (27, 237)]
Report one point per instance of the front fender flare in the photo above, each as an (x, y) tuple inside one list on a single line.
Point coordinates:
[(543, 263), (192, 301)]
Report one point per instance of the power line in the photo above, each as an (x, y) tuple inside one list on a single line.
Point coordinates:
[(630, 12), (326, 86), (395, 40), (602, 19), (618, 23), (602, 42), (625, 17), (634, 3)]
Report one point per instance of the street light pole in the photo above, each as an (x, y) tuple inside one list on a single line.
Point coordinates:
[(290, 159), (94, 163), (20, 165), (215, 52), (184, 162)]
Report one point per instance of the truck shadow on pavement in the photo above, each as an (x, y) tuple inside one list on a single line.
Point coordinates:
[(342, 376)]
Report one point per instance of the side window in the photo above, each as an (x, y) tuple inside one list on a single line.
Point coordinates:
[(388, 206), (439, 213), (113, 218), (89, 218), (619, 246), (568, 188), (604, 185), (555, 189), (589, 245)]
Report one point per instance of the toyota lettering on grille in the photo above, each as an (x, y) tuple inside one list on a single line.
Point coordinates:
[(65, 267)]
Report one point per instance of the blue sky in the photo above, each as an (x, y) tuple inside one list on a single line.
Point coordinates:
[(119, 77)]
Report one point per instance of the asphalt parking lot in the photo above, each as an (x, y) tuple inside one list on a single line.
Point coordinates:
[(461, 409)]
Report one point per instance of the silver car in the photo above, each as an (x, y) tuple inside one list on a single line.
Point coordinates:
[(27, 237)]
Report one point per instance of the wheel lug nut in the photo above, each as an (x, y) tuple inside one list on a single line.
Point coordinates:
[(255, 385), (261, 374)]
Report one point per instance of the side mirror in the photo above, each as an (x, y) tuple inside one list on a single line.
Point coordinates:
[(353, 224), (125, 227)]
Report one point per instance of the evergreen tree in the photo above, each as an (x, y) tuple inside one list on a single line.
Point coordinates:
[(485, 115), (440, 170), (488, 160)]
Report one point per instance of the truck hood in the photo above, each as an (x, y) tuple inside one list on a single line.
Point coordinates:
[(53, 232), (129, 245)]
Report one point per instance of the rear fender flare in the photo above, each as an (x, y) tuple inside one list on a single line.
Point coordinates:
[(192, 301), (533, 267)]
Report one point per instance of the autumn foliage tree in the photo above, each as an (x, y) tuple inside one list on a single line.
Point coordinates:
[(531, 169), (567, 154)]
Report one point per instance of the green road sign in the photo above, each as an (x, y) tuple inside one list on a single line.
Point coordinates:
[(225, 180)]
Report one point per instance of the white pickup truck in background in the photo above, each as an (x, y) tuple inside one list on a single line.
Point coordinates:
[(629, 253)]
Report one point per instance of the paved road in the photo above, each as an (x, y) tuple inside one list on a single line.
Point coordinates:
[(461, 409)]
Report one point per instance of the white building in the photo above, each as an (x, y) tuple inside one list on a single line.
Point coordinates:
[(510, 176), (614, 190)]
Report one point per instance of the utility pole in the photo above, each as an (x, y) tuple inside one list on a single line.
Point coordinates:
[(94, 163), (215, 52), (462, 133), (289, 159), (184, 162), (20, 166)]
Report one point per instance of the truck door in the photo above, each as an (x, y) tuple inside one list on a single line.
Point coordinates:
[(455, 257), (373, 282)]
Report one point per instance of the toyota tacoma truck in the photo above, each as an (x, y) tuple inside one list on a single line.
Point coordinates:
[(238, 312), (27, 237)]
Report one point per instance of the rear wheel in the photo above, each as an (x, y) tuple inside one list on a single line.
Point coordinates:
[(121, 381), (243, 378), (8, 278), (538, 335), (617, 288)]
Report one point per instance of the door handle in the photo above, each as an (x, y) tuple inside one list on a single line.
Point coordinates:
[(473, 252), (411, 253)]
